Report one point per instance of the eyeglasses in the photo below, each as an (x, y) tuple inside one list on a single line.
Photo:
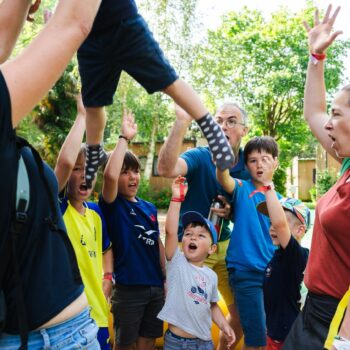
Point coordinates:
[(230, 123)]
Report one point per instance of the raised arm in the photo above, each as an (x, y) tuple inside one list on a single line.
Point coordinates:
[(13, 14), (225, 180), (70, 149), (220, 320), (315, 107), (115, 161), (179, 190), (274, 207), (169, 162), (31, 74)]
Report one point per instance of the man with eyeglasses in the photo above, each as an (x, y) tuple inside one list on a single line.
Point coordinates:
[(198, 167)]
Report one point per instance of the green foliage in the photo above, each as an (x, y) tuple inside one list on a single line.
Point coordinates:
[(324, 181), (261, 64), (279, 180), (313, 194), (160, 199)]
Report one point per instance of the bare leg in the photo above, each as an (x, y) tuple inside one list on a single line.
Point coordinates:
[(95, 125), (145, 343), (124, 347), (233, 319), (187, 98)]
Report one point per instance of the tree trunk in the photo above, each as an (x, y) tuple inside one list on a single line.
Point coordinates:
[(152, 147)]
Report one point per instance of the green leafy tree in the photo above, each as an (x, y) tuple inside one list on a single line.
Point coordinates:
[(262, 64)]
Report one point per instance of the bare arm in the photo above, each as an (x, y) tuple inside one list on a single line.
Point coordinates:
[(162, 256), (169, 162), (71, 147), (315, 107), (13, 14), (225, 180), (31, 74), (172, 218), (115, 161), (107, 263), (220, 320)]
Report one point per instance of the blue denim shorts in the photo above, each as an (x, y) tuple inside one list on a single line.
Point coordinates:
[(128, 46), (174, 342), (79, 332), (247, 288)]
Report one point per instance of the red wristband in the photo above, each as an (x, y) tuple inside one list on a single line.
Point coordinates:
[(108, 276), (182, 194), (263, 189), (179, 200), (319, 56)]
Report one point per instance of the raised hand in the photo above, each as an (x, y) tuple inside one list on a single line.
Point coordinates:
[(129, 127), (269, 165), (182, 115), (321, 36), (179, 187)]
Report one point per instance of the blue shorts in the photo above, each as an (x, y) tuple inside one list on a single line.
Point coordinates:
[(103, 338), (128, 46), (174, 342), (247, 288), (78, 332)]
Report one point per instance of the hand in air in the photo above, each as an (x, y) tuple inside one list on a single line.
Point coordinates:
[(179, 187), (129, 127), (182, 115), (270, 165), (321, 36)]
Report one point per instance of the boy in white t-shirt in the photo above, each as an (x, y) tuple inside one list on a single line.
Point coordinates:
[(191, 301)]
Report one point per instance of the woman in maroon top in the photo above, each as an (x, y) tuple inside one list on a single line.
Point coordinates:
[(327, 275)]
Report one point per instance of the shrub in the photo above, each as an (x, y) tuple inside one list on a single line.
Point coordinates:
[(324, 181)]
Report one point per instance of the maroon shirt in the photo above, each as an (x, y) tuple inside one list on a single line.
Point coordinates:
[(328, 268)]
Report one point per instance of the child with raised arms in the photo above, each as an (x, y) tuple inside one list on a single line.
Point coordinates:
[(192, 295)]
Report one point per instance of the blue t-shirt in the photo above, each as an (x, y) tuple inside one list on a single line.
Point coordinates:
[(111, 12), (46, 258), (134, 232), (283, 277), (250, 247), (203, 186)]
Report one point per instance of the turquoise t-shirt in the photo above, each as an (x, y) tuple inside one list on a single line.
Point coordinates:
[(345, 165), (250, 247)]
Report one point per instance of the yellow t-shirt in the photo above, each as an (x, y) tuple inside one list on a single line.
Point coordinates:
[(86, 234)]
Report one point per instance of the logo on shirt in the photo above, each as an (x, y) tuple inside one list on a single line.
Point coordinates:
[(268, 271), (153, 218), (145, 235), (132, 212), (198, 292)]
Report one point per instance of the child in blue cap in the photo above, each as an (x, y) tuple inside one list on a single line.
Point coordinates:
[(290, 219), (191, 302)]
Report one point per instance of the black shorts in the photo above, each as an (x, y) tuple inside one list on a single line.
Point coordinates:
[(135, 310), (129, 46), (310, 329)]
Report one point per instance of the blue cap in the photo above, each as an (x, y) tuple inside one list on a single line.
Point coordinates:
[(194, 216), (295, 206)]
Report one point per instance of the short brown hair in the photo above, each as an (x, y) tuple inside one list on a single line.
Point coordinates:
[(131, 161), (261, 143)]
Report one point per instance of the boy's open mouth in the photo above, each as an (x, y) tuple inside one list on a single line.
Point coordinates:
[(83, 187), (192, 246)]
